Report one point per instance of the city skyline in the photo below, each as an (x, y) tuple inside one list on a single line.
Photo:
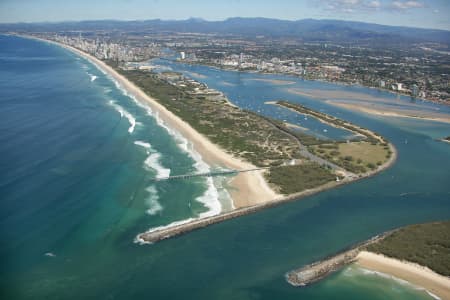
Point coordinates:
[(423, 14)]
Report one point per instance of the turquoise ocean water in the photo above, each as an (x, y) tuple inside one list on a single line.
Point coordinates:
[(77, 155)]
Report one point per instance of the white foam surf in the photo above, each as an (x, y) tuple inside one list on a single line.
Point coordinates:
[(153, 162), (140, 241), (210, 197), (143, 144), (398, 280), (126, 114), (154, 206)]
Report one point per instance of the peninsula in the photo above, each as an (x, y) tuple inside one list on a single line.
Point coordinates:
[(274, 163)]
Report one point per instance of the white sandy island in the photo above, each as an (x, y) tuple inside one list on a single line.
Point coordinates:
[(389, 112)]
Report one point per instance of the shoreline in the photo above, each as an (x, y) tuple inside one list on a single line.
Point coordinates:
[(341, 83), (411, 272), (246, 187), (249, 191), (371, 111), (152, 236)]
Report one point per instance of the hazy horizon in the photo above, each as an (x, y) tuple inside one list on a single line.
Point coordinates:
[(221, 20), (421, 14)]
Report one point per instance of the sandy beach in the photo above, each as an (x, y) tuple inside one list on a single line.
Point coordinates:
[(247, 188), (370, 104), (334, 94), (413, 114), (274, 81), (413, 273)]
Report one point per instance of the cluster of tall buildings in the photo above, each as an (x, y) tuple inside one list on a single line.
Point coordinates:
[(109, 50)]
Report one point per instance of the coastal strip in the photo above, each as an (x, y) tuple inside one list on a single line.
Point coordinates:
[(415, 274), (249, 185)]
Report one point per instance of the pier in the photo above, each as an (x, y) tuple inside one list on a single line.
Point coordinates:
[(207, 174)]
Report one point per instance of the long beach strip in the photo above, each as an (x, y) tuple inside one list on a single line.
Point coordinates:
[(248, 188)]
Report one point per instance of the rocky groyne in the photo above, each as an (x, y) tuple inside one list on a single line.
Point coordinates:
[(318, 270), (152, 236)]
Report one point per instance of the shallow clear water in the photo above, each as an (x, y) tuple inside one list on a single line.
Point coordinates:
[(75, 184)]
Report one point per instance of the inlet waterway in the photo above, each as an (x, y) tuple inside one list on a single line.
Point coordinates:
[(77, 152)]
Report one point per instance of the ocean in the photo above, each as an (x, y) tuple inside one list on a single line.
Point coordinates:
[(77, 159)]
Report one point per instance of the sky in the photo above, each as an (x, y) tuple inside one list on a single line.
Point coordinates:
[(413, 13)]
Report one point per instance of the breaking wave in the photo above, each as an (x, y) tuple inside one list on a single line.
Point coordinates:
[(365, 271), (93, 77), (126, 114), (210, 197), (153, 160), (154, 206)]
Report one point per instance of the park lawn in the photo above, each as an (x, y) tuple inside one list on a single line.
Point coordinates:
[(356, 157), (365, 151)]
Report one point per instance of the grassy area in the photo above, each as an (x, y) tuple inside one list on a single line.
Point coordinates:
[(239, 132), (354, 156), (426, 244), (294, 179), (357, 157)]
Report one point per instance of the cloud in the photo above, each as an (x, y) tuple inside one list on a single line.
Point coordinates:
[(374, 4), (350, 6), (405, 5)]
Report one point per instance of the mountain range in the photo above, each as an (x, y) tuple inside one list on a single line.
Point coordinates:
[(307, 29)]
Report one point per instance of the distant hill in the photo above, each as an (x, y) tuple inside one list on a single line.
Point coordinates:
[(306, 30)]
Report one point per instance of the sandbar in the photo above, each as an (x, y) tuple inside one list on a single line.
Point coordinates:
[(390, 112), (274, 81)]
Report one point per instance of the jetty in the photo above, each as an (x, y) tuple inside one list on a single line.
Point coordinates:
[(318, 270), (207, 174)]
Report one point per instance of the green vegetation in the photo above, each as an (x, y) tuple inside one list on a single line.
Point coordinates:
[(263, 141), (303, 138), (294, 179), (356, 157), (426, 244), (239, 132)]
